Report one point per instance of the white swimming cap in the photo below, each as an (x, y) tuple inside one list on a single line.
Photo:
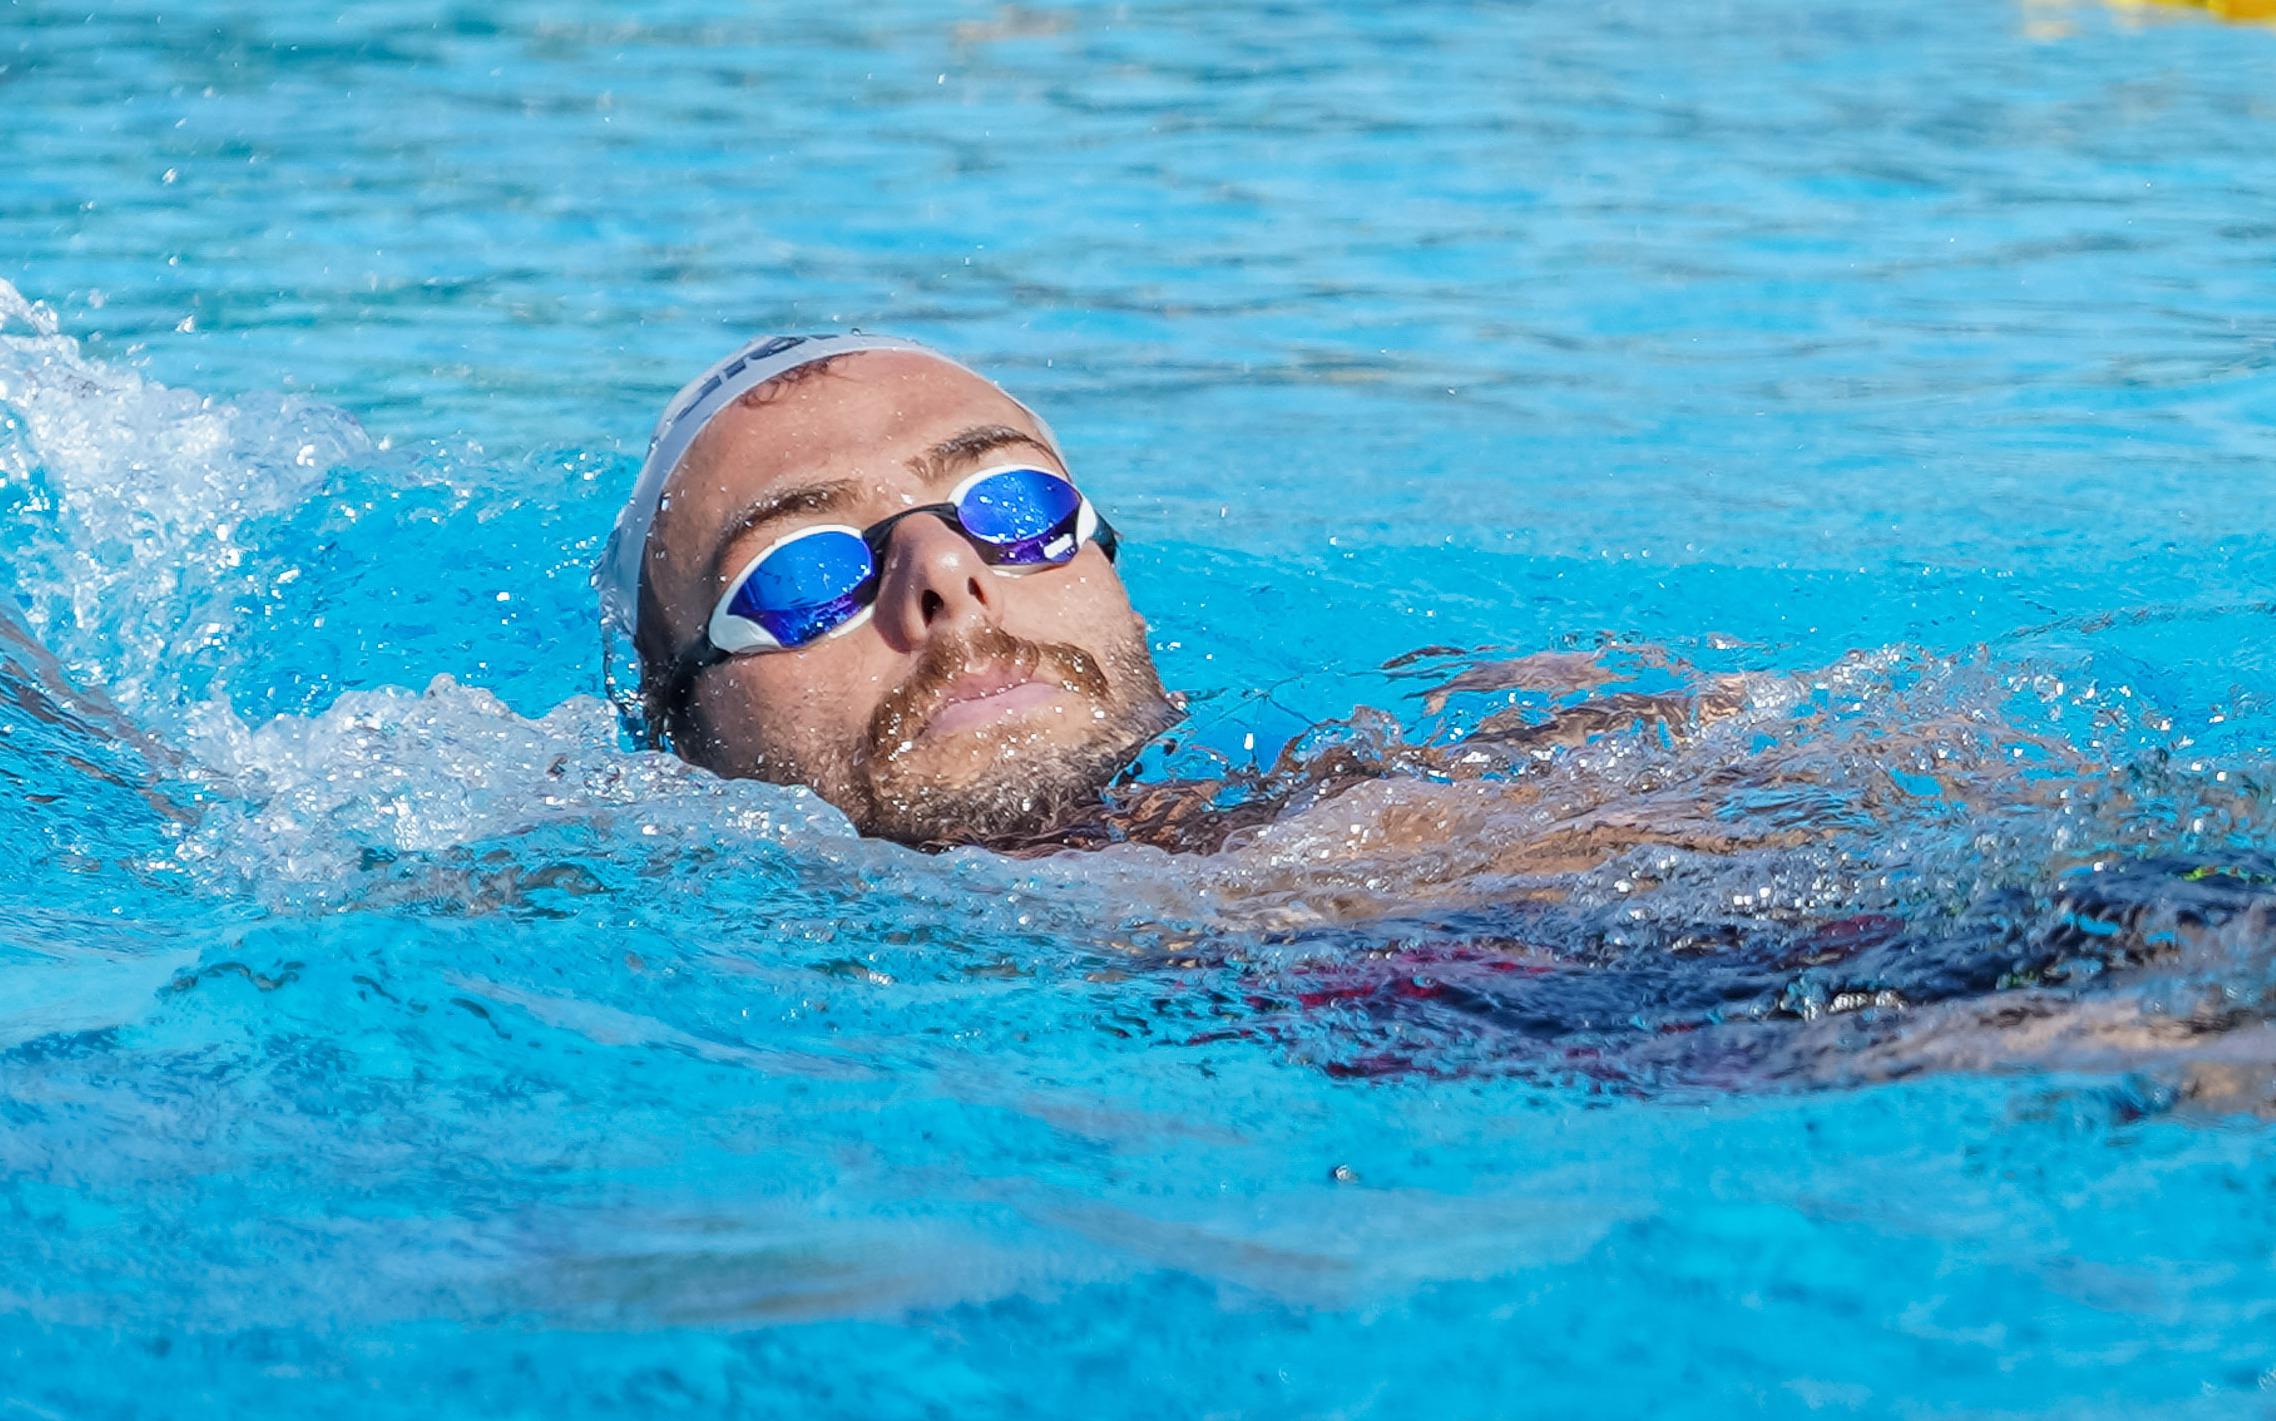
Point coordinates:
[(617, 577)]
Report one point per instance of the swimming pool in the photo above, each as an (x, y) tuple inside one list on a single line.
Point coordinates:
[(378, 1036)]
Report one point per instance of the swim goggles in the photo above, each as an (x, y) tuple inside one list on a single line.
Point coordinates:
[(822, 581)]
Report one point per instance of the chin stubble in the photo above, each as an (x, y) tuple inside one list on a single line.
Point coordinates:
[(1034, 781)]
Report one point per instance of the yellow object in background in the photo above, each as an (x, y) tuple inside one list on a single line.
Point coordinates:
[(2225, 9), (2053, 19)]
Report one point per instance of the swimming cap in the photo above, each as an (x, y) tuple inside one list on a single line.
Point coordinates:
[(617, 577)]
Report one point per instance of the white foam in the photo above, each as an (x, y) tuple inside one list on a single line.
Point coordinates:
[(137, 500), (309, 799)]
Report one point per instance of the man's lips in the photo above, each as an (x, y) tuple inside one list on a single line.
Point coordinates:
[(980, 678), (980, 697)]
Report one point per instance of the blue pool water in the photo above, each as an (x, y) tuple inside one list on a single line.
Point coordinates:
[(379, 1036)]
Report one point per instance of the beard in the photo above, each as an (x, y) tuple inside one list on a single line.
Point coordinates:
[(995, 783)]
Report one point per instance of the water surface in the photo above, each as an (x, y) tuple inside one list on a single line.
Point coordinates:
[(380, 1035)]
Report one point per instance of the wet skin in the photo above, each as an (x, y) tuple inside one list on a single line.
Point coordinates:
[(971, 703)]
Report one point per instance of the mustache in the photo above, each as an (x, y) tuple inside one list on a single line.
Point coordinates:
[(910, 706)]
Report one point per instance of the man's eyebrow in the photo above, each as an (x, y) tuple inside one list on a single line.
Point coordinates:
[(779, 504), (962, 448)]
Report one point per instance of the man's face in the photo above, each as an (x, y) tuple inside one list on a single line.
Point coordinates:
[(972, 704)]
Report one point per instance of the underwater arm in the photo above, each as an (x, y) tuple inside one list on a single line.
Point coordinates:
[(34, 684)]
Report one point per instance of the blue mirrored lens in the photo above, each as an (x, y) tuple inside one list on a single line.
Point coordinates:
[(807, 587), (1024, 514)]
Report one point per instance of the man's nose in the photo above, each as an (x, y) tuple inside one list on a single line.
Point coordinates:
[(932, 582)]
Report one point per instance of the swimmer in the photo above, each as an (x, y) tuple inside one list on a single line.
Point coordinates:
[(851, 563)]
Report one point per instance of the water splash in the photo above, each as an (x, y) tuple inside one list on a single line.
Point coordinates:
[(140, 508)]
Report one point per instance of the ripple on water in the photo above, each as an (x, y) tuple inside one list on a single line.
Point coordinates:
[(1803, 907)]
